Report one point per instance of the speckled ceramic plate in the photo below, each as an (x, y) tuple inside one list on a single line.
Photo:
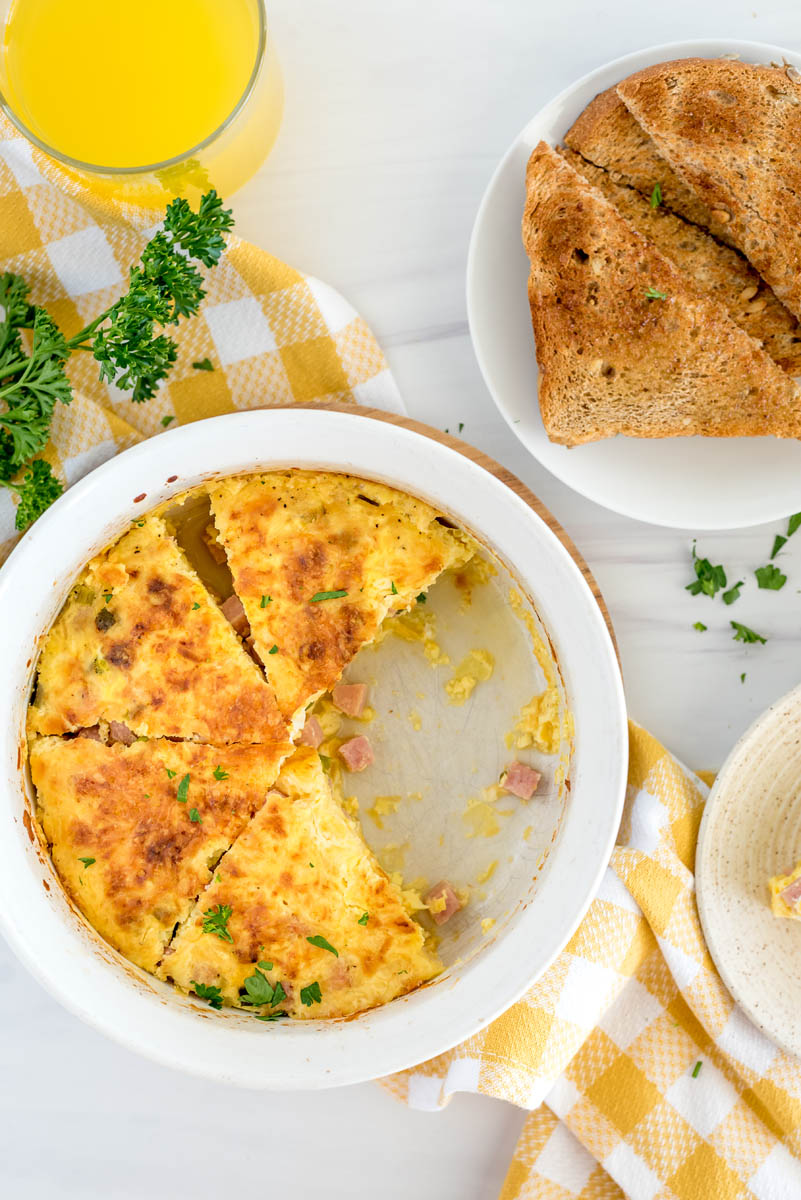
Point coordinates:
[(751, 830)]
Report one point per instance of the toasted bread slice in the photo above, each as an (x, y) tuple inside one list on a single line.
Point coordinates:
[(613, 360), (721, 273), (731, 130), (608, 136)]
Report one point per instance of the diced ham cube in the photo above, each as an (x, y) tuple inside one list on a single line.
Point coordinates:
[(121, 733), (442, 902), (92, 732), (233, 611), (792, 893), (250, 646), (521, 780), (357, 753), (350, 698), (312, 733)]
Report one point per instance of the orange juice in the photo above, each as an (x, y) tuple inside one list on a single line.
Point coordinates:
[(127, 84)]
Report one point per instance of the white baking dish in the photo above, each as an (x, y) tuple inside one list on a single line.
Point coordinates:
[(551, 892)]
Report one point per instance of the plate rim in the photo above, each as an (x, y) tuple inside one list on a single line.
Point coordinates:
[(633, 60)]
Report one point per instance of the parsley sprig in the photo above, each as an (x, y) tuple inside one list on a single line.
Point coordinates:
[(215, 920), (708, 580), (127, 340)]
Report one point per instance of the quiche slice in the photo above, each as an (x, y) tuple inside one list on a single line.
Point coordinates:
[(136, 831), (142, 644), (300, 919), (785, 894), (318, 560)]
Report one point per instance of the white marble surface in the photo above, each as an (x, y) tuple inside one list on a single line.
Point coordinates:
[(397, 111)]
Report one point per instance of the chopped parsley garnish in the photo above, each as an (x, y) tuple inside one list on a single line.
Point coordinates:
[(265, 600), (264, 966), (167, 420), (195, 606), (205, 364), (273, 1016), (394, 591), (195, 817), (334, 595), (363, 919), (743, 634), (656, 196), (709, 579), (259, 990), (793, 524), (219, 773), (87, 862), (700, 626), (653, 293), (215, 920), (421, 599), (321, 942), (107, 597), (170, 774), (311, 995), (207, 992), (742, 677), (770, 577), (697, 1069), (273, 649), (182, 795), (778, 542), (461, 426), (733, 593)]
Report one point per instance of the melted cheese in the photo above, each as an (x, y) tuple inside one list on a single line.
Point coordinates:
[(301, 870), (294, 536), (777, 884), (141, 641)]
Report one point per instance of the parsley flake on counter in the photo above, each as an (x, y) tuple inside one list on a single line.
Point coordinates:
[(700, 626), (778, 542), (742, 677), (363, 919), (709, 579), (87, 862), (743, 634), (165, 421), (461, 426), (205, 364), (653, 293), (697, 1069), (656, 196), (793, 523), (219, 773), (336, 594), (195, 817), (182, 795), (770, 577), (273, 649), (207, 992), (733, 593), (215, 920), (322, 944), (311, 995)]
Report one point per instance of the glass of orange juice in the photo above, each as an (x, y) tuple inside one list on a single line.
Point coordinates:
[(144, 99)]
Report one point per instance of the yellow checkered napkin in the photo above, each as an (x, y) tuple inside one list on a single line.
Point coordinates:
[(273, 335), (605, 1048)]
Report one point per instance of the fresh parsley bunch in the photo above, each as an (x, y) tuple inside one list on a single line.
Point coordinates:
[(128, 340)]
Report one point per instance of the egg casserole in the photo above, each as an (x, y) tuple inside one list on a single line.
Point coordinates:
[(183, 818)]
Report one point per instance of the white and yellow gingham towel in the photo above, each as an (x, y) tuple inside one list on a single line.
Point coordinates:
[(605, 1048), (274, 336)]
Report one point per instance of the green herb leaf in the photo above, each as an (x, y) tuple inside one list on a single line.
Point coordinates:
[(363, 919), (700, 626), (170, 774), (87, 862), (167, 420), (207, 992), (653, 293), (195, 817), (656, 196), (325, 760), (321, 942), (215, 920), (421, 599), (311, 994), (273, 649), (205, 364), (394, 591), (182, 795), (733, 593), (36, 492), (265, 600), (778, 542), (709, 579), (258, 989), (265, 966), (793, 524), (743, 634), (335, 595), (697, 1069), (770, 578), (461, 426), (219, 773), (273, 1016), (195, 606), (742, 677)]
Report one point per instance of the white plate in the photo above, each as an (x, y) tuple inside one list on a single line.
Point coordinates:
[(751, 830), (696, 483)]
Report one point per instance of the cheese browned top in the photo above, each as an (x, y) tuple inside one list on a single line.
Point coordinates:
[(318, 560), (140, 641), (301, 871), (135, 831)]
